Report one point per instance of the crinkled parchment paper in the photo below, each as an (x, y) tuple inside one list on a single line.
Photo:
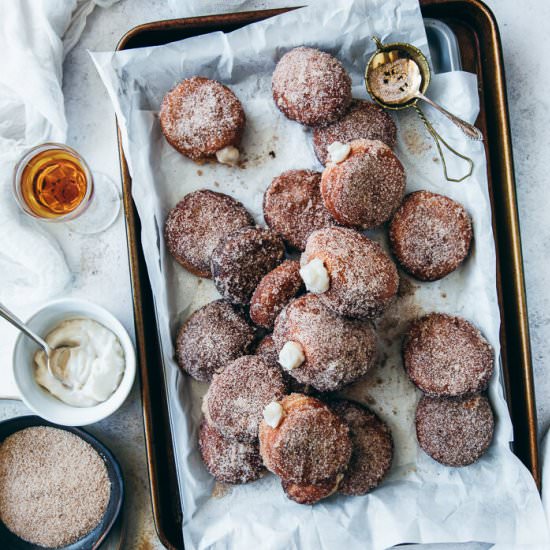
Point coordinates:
[(494, 500)]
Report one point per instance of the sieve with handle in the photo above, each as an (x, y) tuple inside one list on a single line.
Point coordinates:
[(397, 77)]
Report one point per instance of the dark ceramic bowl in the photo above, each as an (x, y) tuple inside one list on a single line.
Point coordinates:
[(97, 536)]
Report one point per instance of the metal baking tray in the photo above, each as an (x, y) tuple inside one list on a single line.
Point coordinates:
[(462, 34)]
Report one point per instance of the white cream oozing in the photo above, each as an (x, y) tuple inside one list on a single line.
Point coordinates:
[(291, 355), (228, 155), (273, 414), (315, 276), (338, 152)]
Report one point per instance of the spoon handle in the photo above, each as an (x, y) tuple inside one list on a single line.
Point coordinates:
[(468, 129), (16, 322)]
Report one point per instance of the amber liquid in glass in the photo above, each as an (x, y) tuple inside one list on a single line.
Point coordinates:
[(53, 183)]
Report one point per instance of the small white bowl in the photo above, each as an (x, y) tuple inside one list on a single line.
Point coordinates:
[(40, 400)]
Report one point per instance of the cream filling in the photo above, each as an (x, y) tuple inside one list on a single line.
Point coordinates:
[(228, 155), (291, 355), (338, 152), (273, 414), (315, 276)]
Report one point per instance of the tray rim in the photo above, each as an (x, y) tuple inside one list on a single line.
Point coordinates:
[(507, 188)]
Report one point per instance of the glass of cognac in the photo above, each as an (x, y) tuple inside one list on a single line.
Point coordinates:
[(53, 183)]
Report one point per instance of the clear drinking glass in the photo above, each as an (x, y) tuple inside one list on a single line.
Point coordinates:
[(53, 183)]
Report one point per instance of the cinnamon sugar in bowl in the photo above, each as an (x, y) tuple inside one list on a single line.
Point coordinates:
[(57, 489)]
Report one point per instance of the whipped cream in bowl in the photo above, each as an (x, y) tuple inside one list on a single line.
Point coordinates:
[(88, 363), (94, 363)]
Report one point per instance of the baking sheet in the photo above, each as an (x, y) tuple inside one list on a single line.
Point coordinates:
[(494, 500)]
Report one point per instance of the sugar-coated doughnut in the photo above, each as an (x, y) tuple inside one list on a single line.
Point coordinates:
[(372, 445), (430, 235), (363, 278), (242, 259), (236, 398), (294, 208), (363, 120), (366, 188), (275, 290), (211, 338), (446, 355), (310, 445), (337, 350), (311, 86), (455, 431), (196, 224), (201, 117), (311, 493), (268, 351), (229, 460)]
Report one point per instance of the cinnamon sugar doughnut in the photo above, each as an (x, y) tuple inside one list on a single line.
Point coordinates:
[(229, 460), (235, 400), (364, 120), (337, 351), (242, 259), (455, 431), (200, 117), (310, 445), (293, 206), (311, 86), (268, 351), (447, 356), (275, 290), (196, 224), (430, 235), (212, 337), (363, 279), (365, 188), (372, 444), (310, 493)]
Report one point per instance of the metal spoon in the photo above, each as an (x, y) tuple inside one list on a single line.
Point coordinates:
[(400, 81), (59, 353)]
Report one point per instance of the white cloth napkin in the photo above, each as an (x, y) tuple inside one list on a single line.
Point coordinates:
[(35, 36), (208, 7)]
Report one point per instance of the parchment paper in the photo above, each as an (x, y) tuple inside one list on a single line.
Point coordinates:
[(494, 500)]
